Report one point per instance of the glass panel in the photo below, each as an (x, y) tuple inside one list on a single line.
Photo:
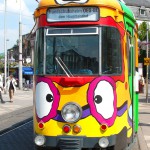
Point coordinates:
[(39, 52), (129, 54), (59, 31), (111, 51), (78, 53), (84, 30), (64, 31)]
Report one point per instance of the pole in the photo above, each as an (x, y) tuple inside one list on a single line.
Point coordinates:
[(147, 65), (20, 51), (7, 58), (5, 51), (8, 62)]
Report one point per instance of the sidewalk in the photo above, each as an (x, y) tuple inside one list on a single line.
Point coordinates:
[(144, 121), (18, 111)]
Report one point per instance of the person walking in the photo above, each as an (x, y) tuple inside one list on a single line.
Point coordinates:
[(1, 89), (141, 84), (11, 86)]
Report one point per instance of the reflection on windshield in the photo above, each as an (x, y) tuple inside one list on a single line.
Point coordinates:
[(63, 66), (78, 53)]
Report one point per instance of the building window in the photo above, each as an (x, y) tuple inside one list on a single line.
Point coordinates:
[(142, 11)]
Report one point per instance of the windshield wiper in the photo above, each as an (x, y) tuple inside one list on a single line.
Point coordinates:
[(63, 66)]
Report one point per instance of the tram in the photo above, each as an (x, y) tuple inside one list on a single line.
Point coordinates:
[(85, 75)]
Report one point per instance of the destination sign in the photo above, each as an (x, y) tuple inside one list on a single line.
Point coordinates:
[(73, 14)]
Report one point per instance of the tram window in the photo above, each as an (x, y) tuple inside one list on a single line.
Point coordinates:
[(59, 31), (39, 51), (85, 30), (111, 51), (129, 53), (72, 31), (79, 53)]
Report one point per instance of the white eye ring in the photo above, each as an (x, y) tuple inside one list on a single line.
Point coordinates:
[(104, 99)]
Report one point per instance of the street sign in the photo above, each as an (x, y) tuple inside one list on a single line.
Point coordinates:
[(146, 61)]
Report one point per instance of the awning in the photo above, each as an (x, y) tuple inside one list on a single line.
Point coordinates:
[(27, 70)]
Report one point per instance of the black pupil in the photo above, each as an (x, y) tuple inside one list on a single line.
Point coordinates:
[(98, 99), (49, 97)]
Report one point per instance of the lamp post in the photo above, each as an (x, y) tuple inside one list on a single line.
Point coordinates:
[(147, 65), (5, 51), (7, 57), (20, 50)]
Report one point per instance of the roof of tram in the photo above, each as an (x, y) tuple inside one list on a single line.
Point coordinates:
[(54, 3), (114, 4)]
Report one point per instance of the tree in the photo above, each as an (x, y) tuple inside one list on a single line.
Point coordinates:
[(142, 31)]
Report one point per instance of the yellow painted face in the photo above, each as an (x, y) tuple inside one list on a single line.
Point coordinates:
[(98, 100)]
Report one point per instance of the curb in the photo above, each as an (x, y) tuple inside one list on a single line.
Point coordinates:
[(141, 140)]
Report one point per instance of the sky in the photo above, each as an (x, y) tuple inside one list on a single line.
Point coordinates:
[(11, 21)]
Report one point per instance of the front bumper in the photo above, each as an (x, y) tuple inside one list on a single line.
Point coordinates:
[(119, 141), (75, 143)]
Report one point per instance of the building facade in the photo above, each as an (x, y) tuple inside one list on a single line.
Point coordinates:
[(140, 8)]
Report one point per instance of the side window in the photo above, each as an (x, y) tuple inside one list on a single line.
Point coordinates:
[(39, 51), (111, 51), (129, 53)]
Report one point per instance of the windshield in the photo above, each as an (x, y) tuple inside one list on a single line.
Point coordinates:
[(78, 51)]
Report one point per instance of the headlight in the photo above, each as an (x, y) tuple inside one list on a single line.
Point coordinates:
[(71, 112), (103, 142), (39, 140)]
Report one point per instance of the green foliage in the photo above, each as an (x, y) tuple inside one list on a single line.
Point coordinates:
[(142, 31)]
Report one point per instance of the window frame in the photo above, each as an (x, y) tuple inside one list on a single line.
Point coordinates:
[(98, 31)]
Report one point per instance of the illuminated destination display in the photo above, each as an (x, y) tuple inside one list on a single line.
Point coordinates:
[(73, 14)]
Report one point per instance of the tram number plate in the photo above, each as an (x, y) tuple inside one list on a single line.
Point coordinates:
[(146, 61)]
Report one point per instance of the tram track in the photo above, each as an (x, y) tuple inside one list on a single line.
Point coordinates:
[(20, 135)]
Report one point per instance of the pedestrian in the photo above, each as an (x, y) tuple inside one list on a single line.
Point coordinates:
[(1, 89), (141, 84), (11, 86)]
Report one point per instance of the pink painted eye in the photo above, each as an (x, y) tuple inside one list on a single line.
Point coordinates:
[(47, 99), (62, 2), (102, 100)]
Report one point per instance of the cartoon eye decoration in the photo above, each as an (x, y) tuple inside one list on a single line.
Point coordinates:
[(62, 2), (102, 100), (47, 100)]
